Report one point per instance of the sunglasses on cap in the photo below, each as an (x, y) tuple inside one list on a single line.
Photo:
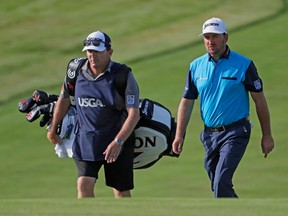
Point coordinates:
[(95, 42)]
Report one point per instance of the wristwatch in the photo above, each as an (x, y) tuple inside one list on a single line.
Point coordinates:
[(119, 141)]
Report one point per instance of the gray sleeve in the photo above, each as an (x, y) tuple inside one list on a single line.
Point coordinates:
[(131, 92), (64, 90)]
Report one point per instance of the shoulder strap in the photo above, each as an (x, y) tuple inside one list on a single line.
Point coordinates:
[(121, 76), (71, 74)]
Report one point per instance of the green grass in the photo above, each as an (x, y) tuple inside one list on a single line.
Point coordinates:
[(158, 39), (153, 207)]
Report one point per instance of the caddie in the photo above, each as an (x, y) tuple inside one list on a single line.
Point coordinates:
[(102, 138)]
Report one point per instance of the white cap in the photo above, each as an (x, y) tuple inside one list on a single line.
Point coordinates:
[(104, 39), (214, 25)]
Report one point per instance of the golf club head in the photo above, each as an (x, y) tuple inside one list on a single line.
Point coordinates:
[(26, 105), (46, 120), (33, 114), (42, 97), (47, 108)]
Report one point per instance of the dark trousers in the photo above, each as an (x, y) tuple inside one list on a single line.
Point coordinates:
[(223, 152)]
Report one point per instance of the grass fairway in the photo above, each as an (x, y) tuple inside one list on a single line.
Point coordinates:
[(158, 39), (144, 207)]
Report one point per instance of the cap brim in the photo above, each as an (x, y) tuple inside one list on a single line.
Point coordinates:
[(212, 32), (98, 48)]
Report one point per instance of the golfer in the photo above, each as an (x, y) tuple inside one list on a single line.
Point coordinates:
[(222, 79)]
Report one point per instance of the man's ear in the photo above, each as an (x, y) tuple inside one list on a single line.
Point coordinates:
[(110, 51), (226, 37)]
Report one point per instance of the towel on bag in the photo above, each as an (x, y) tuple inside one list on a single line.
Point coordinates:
[(67, 134)]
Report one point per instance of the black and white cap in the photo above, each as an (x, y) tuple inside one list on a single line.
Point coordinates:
[(97, 41)]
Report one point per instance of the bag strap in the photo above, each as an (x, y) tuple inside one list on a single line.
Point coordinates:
[(121, 79), (73, 68)]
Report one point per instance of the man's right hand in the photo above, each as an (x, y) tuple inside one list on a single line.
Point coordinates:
[(60, 110), (53, 137)]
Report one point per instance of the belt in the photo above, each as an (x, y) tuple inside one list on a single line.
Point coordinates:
[(225, 127)]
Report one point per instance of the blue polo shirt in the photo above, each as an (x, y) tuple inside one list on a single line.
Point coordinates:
[(222, 87)]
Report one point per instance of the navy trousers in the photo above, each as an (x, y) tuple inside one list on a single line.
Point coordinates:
[(223, 152)]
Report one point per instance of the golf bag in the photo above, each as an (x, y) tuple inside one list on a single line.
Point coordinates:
[(154, 134)]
